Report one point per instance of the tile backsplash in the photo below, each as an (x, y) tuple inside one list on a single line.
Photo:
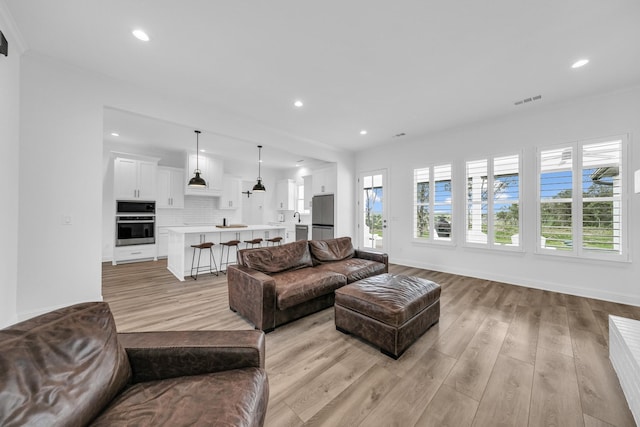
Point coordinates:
[(197, 210)]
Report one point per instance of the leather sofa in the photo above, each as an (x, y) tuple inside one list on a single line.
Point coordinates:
[(274, 285), (69, 367)]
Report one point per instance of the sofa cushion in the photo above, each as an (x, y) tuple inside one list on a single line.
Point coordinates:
[(354, 268), (61, 368), (299, 286), (230, 398), (275, 259), (331, 250)]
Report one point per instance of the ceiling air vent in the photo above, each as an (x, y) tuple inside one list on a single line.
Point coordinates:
[(527, 100)]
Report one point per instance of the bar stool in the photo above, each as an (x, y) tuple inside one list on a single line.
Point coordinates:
[(254, 242), (200, 247), (274, 241), (228, 245)]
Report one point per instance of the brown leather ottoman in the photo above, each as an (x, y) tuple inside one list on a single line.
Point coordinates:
[(391, 311)]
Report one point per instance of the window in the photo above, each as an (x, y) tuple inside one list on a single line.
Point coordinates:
[(493, 202), (580, 198), (432, 203), (300, 206)]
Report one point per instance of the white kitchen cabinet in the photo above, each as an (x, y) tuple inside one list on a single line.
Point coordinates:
[(211, 170), (163, 242), (324, 180), (134, 253), (308, 191), (134, 179), (231, 191), (285, 195), (170, 187)]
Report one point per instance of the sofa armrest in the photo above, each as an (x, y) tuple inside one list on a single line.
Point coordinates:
[(253, 295), (373, 256), (161, 355)]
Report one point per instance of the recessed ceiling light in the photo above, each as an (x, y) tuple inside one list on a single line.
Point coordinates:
[(202, 150), (580, 63), (363, 132), (140, 35), (298, 103), (115, 134)]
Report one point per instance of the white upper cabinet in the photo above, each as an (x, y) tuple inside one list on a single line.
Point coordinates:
[(285, 195), (324, 180), (171, 183), (134, 179), (231, 188), (211, 170)]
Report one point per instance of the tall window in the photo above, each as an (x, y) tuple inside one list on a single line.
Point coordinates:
[(432, 203), (580, 209), (300, 206), (493, 202)]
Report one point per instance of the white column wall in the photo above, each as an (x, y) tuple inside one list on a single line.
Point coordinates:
[(521, 132), (9, 184)]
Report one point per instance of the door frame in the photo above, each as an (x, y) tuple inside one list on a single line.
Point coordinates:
[(360, 213)]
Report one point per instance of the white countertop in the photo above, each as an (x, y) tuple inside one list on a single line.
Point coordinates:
[(214, 229)]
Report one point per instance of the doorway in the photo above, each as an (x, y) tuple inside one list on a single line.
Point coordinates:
[(373, 232)]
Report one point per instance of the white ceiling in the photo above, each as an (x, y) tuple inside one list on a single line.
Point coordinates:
[(390, 67)]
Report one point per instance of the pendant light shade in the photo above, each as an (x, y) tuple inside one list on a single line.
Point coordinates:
[(259, 187), (197, 180)]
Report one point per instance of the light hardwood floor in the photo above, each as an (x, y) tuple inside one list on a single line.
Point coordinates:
[(501, 355)]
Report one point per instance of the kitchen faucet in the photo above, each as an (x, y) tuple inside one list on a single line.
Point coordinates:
[(298, 213)]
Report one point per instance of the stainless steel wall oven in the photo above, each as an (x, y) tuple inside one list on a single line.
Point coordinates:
[(135, 223)]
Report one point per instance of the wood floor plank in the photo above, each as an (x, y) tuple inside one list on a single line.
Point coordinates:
[(504, 308), (556, 338), (279, 414), (505, 401), (312, 367), (448, 408), (461, 332), (600, 390), (581, 316), (473, 369), (310, 397), (590, 421), (531, 298), (351, 406), (522, 337), (399, 407), (555, 399)]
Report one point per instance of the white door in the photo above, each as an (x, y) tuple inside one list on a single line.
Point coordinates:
[(373, 228)]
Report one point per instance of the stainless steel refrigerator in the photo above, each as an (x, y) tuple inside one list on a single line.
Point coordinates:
[(322, 217)]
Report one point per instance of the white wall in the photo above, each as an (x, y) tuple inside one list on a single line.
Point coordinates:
[(605, 115), (62, 167), (9, 184)]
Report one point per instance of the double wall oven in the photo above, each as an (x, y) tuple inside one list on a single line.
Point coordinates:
[(135, 223)]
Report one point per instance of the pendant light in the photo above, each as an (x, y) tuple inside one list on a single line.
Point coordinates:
[(259, 187), (197, 181)]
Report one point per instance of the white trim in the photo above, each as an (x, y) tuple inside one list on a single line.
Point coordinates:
[(601, 294), (577, 251)]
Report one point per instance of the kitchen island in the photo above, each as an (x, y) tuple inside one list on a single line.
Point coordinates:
[(180, 251)]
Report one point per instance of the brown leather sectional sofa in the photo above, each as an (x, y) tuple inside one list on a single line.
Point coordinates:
[(69, 367), (274, 285)]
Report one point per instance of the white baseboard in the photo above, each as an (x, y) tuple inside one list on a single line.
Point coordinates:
[(601, 294), (25, 315)]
